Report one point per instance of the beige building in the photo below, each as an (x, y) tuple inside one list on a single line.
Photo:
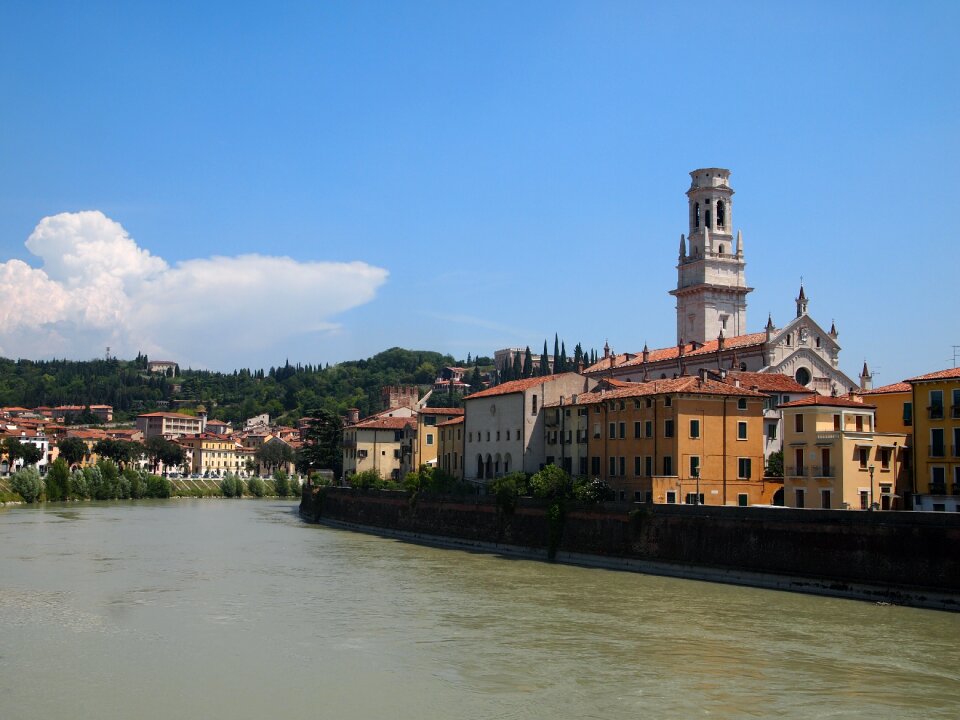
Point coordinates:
[(834, 458), (504, 424), (169, 425), (375, 443), (213, 454)]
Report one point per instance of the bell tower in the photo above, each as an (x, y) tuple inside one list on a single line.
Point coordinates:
[(711, 288)]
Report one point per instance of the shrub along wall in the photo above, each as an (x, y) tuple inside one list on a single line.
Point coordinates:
[(892, 549)]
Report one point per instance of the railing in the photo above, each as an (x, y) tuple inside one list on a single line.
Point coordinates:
[(938, 488), (824, 471), (936, 412), (955, 451), (955, 488), (955, 411), (796, 471), (936, 450)]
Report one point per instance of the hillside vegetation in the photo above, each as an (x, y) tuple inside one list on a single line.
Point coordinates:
[(286, 392)]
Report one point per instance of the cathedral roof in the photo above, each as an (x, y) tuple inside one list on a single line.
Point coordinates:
[(767, 382), (689, 350)]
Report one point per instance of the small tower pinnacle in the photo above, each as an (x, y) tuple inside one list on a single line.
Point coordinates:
[(866, 379), (739, 244), (802, 301), (683, 246)]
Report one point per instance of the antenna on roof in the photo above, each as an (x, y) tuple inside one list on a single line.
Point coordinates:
[(956, 350)]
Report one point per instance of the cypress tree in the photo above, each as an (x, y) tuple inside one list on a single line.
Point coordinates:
[(527, 369), (577, 355), (563, 358), (557, 367), (517, 366), (544, 360)]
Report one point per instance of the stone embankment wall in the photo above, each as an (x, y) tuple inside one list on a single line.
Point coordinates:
[(900, 555)]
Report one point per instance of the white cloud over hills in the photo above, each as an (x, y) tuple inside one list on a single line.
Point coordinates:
[(96, 287)]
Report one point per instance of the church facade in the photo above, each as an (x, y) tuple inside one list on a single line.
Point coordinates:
[(711, 304)]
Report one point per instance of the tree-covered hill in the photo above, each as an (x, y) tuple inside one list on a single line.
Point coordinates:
[(287, 391)]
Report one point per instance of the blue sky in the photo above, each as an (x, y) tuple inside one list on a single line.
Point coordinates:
[(320, 182)]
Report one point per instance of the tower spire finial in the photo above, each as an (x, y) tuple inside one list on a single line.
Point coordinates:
[(801, 300), (739, 244)]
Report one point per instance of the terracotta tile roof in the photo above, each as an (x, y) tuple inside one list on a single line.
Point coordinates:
[(455, 421), (891, 388), (947, 374), (87, 434), (686, 385), (673, 352), (441, 411), (767, 382), (515, 386), (387, 423), (829, 401)]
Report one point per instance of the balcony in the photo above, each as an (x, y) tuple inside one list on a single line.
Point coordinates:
[(938, 488), (935, 412), (796, 471), (824, 471), (955, 488), (955, 411), (936, 451)]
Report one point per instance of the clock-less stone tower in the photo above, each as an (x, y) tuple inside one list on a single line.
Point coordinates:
[(711, 289)]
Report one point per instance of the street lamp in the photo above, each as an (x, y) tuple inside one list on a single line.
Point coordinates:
[(871, 468)]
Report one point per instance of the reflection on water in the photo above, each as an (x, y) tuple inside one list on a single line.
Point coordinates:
[(237, 609)]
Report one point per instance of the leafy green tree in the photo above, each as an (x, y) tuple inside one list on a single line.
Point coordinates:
[(13, 449), (281, 483), (160, 450), (551, 482), (73, 450), (595, 490), (231, 486), (78, 488), (274, 454), (508, 489), (775, 464), (256, 487), (26, 483), (57, 482), (322, 440), (31, 454), (476, 381), (365, 480), (158, 487), (122, 452)]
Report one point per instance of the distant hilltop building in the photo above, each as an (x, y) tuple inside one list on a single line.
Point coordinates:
[(397, 396), (711, 296), (162, 366)]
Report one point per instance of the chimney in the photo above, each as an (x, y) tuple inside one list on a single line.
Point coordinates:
[(353, 416)]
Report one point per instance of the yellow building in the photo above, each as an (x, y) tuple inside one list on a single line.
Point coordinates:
[(427, 437), (936, 425), (450, 446), (688, 440), (213, 454), (835, 459)]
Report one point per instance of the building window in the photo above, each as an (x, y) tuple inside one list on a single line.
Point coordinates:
[(668, 428), (694, 466), (858, 420), (648, 428), (637, 429), (533, 405), (936, 404), (741, 403), (470, 436), (799, 498), (488, 436), (863, 455), (648, 465), (595, 466), (771, 431), (498, 437), (908, 414), (694, 428), (636, 403), (885, 458), (798, 422), (649, 402), (623, 466), (836, 423), (668, 465), (583, 466), (741, 430), (825, 499), (936, 442), (612, 431), (743, 500), (637, 466), (613, 466), (744, 468), (429, 438), (623, 431), (671, 497), (667, 401)]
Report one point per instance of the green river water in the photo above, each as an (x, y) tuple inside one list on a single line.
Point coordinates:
[(237, 609)]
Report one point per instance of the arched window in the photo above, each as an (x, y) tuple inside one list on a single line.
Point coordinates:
[(721, 214), (708, 219), (720, 249), (696, 214)]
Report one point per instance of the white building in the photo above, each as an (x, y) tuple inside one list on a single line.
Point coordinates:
[(504, 425)]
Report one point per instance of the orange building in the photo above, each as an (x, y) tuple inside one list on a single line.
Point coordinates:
[(689, 440)]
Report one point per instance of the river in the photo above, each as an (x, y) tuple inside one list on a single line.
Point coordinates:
[(237, 609)]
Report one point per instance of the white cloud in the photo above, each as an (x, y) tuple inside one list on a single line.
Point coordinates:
[(96, 287)]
